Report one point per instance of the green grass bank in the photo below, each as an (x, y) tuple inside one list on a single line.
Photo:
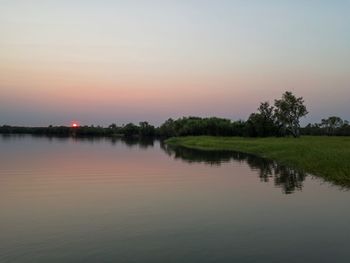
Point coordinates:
[(327, 157)]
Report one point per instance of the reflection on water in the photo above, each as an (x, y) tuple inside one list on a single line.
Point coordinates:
[(143, 143), (283, 176), (287, 178), (99, 199)]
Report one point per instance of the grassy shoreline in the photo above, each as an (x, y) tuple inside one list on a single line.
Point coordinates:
[(327, 157)]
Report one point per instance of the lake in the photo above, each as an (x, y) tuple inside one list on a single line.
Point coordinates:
[(104, 200)]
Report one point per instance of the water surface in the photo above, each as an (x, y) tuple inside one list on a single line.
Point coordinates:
[(103, 200)]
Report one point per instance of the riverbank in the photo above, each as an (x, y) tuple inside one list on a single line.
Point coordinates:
[(327, 157)]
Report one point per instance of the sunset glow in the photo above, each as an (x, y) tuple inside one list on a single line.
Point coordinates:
[(129, 61), (174, 131)]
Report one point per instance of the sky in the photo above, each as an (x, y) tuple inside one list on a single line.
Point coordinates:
[(101, 62)]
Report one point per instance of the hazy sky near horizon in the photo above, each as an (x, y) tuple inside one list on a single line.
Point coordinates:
[(104, 61)]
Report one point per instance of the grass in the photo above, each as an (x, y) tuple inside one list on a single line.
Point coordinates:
[(327, 157)]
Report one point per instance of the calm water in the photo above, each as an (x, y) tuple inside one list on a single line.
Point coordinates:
[(70, 200)]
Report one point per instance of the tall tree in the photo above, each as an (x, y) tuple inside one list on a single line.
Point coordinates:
[(263, 122), (288, 111), (266, 112)]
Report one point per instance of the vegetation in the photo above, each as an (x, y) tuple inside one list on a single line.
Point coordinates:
[(328, 157), (282, 119), (288, 111), (263, 123), (258, 125), (278, 120), (324, 156), (129, 130), (332, 126), (201, 126)]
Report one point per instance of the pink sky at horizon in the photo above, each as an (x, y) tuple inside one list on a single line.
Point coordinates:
[(128, 62)]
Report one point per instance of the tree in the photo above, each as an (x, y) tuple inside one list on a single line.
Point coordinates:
[(167, 129), (331, 124), (130, 130), (146, 130), (288, 111), (266, 112), (263, 122)]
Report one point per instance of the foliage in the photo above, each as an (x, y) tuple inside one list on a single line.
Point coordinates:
[(328, 157), (263, 123), (200, 126), (146, 130), (332, 126), (280, 119), (288, 111)]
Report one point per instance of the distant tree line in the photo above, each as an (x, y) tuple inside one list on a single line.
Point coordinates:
[(130, 130), (332, 126), (280, 119)]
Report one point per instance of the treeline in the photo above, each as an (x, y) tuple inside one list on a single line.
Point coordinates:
[(186, 126), (180, 127), (130, 130), (280, 119), (201, 126), (332, 126)]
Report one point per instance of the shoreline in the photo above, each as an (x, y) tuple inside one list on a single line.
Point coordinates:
[(325, 157)]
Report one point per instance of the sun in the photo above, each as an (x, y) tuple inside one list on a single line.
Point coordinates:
[(75, 124)]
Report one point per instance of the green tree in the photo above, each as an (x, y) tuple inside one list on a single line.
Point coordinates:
[(288, 111), (263, 122)]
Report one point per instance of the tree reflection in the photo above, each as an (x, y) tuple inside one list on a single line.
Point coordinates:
[(142, 143), (287, 178)]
